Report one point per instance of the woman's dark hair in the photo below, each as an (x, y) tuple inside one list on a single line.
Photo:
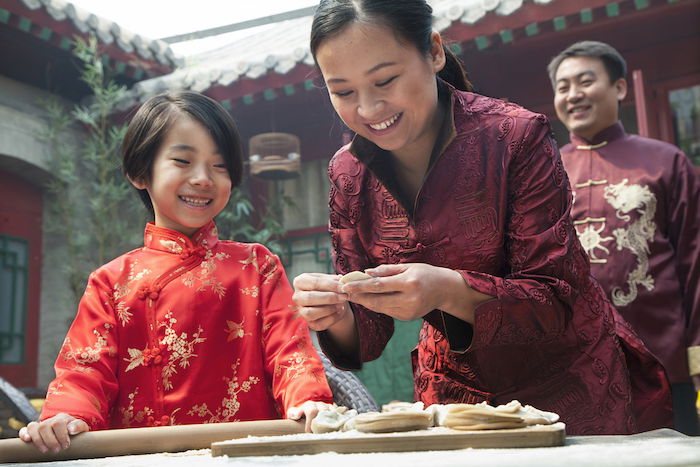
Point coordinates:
[(613, 62), (155, 117), (411, 21)]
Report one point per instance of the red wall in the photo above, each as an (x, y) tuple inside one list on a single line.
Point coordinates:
[(21, 216)]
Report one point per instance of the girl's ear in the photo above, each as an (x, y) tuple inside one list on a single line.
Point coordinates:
[(138, 183), (437, 52)]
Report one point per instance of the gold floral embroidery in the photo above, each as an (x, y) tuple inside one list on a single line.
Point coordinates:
[(122, 290), (297, 364), (128, 415), (55, 388), (229, 405), (205, 277), (251, 291), (86, 355), (235, 330), (171, 245), (268, 269), (136, 358), (180, 349)]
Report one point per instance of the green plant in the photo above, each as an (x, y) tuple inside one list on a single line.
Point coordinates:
[(91, 204)]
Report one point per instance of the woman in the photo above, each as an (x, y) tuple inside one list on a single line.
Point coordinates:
[(458, 206)]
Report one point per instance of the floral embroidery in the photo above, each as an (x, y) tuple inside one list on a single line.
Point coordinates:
[(235, 330), (253, 291), (268, 269), (87, 355), (180, 349), (128, 415), (122, 290), (171, 246), (297, 364), (229, 405), (626, 198), (205, 275)]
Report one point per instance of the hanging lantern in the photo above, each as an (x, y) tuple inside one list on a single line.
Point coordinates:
[(275, 156)]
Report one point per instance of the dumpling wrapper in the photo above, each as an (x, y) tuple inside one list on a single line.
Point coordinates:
[(354, 276)]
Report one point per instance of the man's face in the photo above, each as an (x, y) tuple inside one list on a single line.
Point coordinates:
[(584, 98)]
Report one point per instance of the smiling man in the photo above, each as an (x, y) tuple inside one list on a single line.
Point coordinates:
[(637, 214)]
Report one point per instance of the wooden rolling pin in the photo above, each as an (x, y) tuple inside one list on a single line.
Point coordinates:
[(147, 440)]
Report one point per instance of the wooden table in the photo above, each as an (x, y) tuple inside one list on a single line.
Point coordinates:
[(660, 448)]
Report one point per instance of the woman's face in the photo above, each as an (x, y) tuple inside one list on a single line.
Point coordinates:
[(383, 89)]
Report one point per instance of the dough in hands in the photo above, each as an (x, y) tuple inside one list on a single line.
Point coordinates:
[(354, 276)]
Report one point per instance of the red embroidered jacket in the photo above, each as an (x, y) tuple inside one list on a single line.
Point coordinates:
[(186, 331), (495, 206)]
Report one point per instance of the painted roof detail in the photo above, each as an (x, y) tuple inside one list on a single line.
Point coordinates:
[(283, 46), (107, 31)]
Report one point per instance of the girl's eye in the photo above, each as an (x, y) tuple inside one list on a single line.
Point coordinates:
[(220, 166), (384, 83), (180, 161)]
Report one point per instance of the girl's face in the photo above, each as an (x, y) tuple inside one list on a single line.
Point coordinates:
[(189, 182), (383, 89)]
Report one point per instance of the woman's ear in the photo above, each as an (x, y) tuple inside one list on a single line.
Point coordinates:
[(437, 52)]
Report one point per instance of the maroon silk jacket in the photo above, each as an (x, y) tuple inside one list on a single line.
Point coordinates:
[(495, 206), (637, 214)]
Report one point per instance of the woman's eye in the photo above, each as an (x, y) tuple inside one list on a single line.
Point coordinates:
[(343, 93), (384, 83), (180, 161)]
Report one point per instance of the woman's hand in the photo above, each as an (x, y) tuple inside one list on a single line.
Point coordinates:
[(309, 410), (412, 290), (320, 301), (53, 433)]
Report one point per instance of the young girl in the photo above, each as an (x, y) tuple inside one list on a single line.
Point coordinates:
[(458, 206), (188, 328)]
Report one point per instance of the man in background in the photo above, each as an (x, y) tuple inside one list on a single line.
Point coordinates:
[(637, 214)]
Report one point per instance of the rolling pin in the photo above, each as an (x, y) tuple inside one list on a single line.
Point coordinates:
[(149, 440)]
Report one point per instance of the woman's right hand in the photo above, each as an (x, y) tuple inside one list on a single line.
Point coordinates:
[(320, 301), (53, 433)]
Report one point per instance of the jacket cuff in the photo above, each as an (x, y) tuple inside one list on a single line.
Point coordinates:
[(694, 360)]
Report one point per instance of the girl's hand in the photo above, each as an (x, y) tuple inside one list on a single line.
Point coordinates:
[(320, 301), (53, 433), (412, 290), (308, 409)]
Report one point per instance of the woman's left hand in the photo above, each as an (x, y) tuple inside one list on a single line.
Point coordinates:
[(309, 410), (412, 290)]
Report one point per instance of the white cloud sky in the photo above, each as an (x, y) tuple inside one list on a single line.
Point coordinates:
[(156, 19)]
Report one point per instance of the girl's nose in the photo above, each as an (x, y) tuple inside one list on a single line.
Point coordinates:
[(201, 176)]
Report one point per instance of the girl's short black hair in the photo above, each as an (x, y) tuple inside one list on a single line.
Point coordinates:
[(155, 117), (411, 21)]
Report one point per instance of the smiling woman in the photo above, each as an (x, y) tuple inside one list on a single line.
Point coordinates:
[(457, 206)]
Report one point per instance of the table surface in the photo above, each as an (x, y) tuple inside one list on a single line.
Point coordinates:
[(655, 448)]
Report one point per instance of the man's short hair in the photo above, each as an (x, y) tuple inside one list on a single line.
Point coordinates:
[(614, 64)]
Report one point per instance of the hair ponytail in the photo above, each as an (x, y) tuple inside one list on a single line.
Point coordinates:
[(454, 73)]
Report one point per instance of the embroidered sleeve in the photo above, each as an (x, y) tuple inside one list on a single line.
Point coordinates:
[(684, 234), (292, 363), (544, 259), (375, 329), (85, 384)]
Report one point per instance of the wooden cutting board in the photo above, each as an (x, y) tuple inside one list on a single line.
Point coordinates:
[(424, 440)]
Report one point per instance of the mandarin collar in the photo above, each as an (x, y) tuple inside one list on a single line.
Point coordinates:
[(172, 241), (608, 135)]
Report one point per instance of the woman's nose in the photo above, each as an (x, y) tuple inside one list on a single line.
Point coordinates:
[(370, 107)]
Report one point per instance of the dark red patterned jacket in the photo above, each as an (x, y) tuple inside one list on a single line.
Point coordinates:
[(495, 206)]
